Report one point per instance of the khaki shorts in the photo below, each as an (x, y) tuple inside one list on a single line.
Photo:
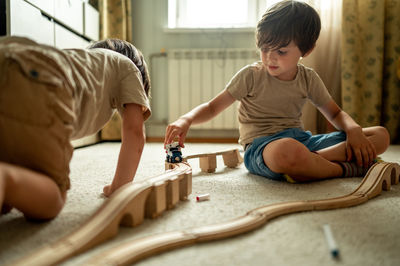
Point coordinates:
[(36, 121)]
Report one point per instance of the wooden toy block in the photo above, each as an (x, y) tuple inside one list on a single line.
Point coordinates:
[(208, 164), (380, 176), (172, 192), (232, 158), (157, 201), (185, 186)]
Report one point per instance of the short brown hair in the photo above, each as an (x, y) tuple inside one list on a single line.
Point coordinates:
[(130, 51), (289, 21)]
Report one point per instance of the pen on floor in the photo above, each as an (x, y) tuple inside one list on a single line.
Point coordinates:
[(331, 241)]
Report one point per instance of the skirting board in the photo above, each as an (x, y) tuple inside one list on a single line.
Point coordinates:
[(92, 139)]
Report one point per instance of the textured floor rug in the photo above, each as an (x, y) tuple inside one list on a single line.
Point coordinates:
[(368, 234)]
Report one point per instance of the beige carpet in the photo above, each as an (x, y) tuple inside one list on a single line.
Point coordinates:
[(368, 234)]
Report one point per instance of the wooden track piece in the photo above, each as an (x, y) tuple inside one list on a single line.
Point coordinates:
[(208, 164), (232, 158), (156, 202), (127, 206), (208, 161), (173, 192), (185, 185), (380, 176)]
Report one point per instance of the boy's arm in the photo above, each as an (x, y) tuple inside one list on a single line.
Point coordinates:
[(199, 114), (357, 144), (133, 139)]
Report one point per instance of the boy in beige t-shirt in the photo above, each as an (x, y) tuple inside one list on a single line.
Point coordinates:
[(272, 93), (49, 97)]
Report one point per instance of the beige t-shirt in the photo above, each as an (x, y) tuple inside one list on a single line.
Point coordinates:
[(269, 105), (100, 81)]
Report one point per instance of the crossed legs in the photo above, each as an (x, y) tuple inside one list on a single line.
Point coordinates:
[(291, 157), (32, 193)]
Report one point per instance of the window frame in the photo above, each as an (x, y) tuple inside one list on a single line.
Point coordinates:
[(176, 23)]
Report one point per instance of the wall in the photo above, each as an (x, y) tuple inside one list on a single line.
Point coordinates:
[(150, 19)]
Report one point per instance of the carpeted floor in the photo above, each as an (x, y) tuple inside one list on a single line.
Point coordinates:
[(367, 234)]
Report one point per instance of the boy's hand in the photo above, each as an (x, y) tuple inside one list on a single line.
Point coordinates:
[(179, 129), (109, 189), (360, 147)]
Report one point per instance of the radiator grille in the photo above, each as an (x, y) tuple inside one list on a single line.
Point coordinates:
[(196, 76)]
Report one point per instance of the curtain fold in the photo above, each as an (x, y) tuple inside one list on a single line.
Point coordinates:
[(325, 60), (370, 50), (115, 19), (115, 22)]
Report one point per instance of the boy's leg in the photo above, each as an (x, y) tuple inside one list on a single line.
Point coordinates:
[(33, 193), (378, 136), (291, 157)]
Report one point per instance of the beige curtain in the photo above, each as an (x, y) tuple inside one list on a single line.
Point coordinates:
[(115, 22), (325, 60), (370, 52)]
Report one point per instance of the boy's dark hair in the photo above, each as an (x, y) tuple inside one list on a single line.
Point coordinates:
[(289, 21), (130, 51)]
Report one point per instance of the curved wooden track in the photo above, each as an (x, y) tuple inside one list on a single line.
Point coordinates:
[(128, 206), (380, 176)]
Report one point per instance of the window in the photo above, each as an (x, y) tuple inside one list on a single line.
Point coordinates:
[(215, 13)]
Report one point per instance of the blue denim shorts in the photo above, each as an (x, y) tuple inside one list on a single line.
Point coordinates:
[(253, 157)]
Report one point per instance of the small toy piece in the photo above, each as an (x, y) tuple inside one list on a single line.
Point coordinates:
[(203, 197), (331, 241), (174, 154)]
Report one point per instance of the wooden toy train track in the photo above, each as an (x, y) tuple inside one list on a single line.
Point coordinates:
[(128, 206), (380, 176)]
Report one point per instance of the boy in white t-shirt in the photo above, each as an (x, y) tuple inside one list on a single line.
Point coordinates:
[(272, 93)]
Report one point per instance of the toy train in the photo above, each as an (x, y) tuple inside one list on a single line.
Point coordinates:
[(174, 154)]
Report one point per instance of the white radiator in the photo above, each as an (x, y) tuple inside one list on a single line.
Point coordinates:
[(197, 75)]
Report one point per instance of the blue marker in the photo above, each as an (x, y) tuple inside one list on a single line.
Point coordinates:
[(331, 241)]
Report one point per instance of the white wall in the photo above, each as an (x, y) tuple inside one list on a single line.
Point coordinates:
[(150, 18)]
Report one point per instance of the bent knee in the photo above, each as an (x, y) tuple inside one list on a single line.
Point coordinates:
[(385, 136), (284, 154), (56, 207), (47, 211), (52, 207), (383, 139), (37, 196)]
